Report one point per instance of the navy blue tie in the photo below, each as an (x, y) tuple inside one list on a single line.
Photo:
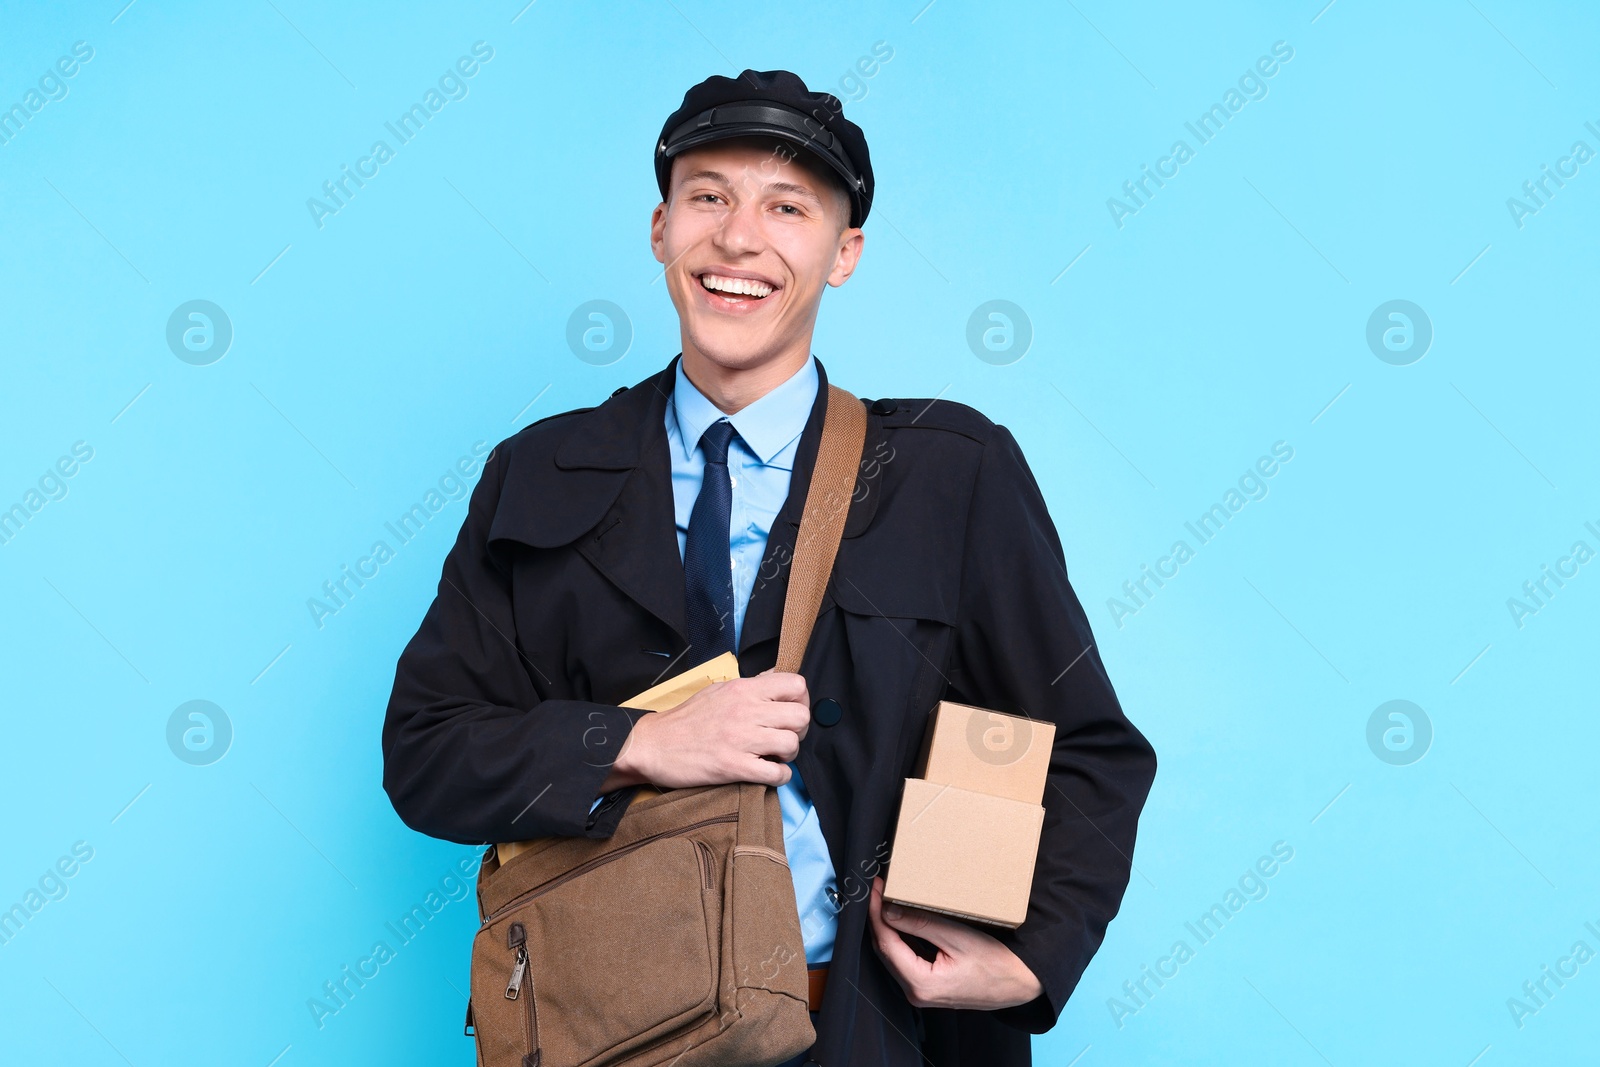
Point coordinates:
[(707, 569)]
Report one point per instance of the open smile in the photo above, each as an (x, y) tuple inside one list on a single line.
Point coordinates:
[(741, 292)]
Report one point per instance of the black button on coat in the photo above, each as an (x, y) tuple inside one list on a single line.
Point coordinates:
[(950, 584)]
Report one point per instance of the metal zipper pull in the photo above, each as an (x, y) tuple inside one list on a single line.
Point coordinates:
[(517, 938), (514, 987)]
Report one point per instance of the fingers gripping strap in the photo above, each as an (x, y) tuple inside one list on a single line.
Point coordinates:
[(833, 483)]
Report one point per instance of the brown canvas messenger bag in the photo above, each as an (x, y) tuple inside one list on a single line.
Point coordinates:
[(677, 939)]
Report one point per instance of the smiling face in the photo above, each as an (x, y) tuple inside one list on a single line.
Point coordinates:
[(749, 236)]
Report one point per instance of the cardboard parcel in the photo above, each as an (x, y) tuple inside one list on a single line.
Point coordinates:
[(968, 832)]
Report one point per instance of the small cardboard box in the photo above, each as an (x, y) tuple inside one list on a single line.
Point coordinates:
[(986, 752), (964, 853)]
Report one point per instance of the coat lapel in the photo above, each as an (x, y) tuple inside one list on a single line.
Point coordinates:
[(635, 544), (609, 494)]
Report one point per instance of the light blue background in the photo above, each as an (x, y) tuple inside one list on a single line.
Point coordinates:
[(1229, 313)]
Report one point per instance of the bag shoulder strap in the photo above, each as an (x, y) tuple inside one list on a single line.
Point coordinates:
[(833, 483)]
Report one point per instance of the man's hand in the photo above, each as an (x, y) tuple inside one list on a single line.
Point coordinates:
[(742, 730), (972, 970)]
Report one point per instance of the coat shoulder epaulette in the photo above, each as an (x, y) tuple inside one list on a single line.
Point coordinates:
[(571, 411), (559, 415), (529, 431), (931, 413)]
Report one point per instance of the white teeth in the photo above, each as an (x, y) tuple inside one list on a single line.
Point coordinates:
[(739, 286)]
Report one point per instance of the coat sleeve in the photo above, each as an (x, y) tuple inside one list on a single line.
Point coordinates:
[(1023, 645), (470, 752)]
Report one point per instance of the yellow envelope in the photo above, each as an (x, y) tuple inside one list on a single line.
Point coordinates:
[(662, 697)]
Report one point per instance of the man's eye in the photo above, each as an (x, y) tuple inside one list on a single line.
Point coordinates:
[(789, 207)]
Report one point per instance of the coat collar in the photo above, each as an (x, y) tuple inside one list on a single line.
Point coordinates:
[(606, 489)]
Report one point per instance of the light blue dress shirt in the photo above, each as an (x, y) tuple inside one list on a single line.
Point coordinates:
[(760, 461)]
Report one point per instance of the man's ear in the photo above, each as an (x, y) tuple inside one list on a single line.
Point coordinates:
[(658, 232), (844, 264)]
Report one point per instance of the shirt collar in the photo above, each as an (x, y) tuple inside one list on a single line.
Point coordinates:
[(767, 426)]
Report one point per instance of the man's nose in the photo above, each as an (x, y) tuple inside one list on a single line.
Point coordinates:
[(740, 230)]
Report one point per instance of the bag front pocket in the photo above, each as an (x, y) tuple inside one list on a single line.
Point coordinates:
[(604, 963), (764, 928)]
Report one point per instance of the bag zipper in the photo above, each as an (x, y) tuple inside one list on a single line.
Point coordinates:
[(517, 938), (598, 861), (706, 862)]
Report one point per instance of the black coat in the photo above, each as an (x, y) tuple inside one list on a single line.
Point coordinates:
[(564, 594)]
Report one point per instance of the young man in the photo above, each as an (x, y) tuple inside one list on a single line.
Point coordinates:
[(606, 548)]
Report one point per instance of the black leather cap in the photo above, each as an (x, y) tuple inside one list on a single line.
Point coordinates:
[(771, 103)]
